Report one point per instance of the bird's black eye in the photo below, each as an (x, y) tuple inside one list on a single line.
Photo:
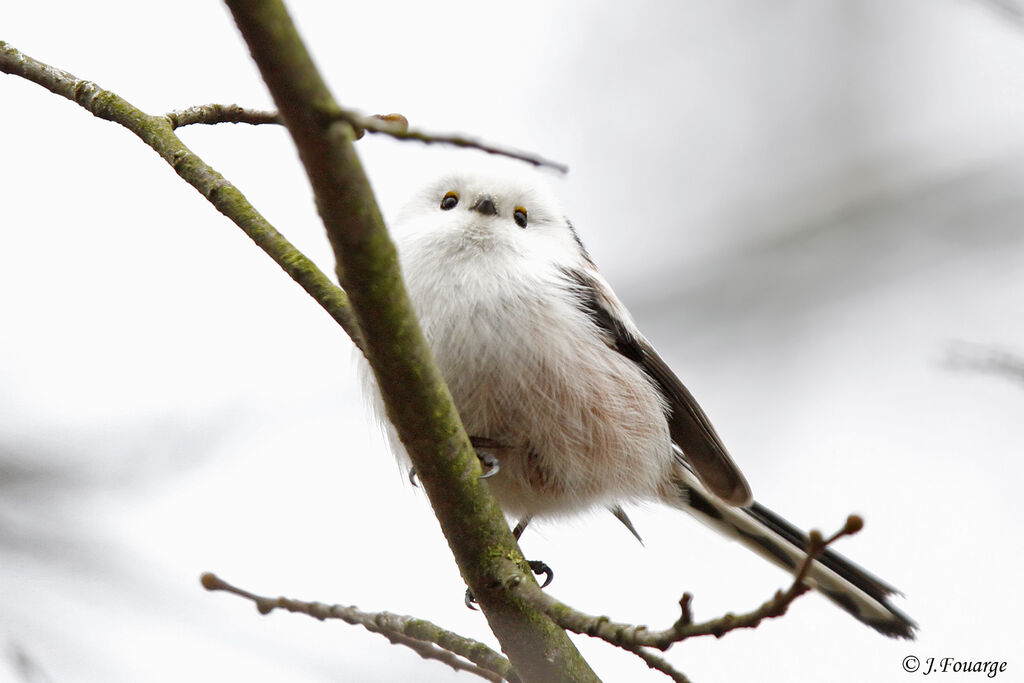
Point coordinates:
[(450, 201), (519, 215)]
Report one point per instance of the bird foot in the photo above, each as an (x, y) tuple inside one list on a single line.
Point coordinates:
[(488, 462), (536, 566)]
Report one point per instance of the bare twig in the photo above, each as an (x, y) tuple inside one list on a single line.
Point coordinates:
[(220, 113), (658, 663), (158, 133), (392, 125), (396, 126), (632, 637), (426, 639)]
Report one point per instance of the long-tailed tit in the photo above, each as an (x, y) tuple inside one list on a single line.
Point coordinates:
[(552, 377)]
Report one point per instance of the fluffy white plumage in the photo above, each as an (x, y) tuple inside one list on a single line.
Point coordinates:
[(582, 424), (546, 365)]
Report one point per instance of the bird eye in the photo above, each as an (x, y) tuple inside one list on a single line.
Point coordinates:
[(519, 215), (450, 201)]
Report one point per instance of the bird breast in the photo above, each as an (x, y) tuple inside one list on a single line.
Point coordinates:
[(578, 423)]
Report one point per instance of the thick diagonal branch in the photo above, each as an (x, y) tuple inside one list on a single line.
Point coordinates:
[(414, 392)]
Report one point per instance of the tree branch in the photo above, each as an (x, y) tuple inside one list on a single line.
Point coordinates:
[(426, 639), (158, 133), (418, 402), (220, 113), (658, 663), (631, 637), (392, 125)]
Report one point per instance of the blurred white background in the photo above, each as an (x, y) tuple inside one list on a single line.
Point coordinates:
[(813, 209)]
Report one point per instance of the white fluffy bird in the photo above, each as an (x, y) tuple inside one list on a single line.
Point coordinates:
[(553, 379)]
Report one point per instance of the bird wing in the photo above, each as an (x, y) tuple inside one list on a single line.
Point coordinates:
[(689, 426)]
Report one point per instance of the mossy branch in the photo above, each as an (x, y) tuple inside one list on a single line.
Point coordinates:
[(158, 133), (414, 392), (423, 637)]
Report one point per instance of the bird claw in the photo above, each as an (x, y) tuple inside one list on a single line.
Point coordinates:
[(489, 463), (538, 568)]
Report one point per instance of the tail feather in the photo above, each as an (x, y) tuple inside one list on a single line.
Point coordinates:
[(863, 595)]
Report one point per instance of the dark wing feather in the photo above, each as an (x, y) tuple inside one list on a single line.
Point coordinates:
[(693, 433), (689, 426)]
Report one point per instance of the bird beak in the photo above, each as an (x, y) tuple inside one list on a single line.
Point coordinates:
[(485, 205)]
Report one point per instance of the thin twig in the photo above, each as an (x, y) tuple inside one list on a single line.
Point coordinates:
[(392, 125), (423, 637), (396, 126), (220, 113), (658, 663), (632, 636)]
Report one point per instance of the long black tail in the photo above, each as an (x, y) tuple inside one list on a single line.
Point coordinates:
[(855, 590)]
